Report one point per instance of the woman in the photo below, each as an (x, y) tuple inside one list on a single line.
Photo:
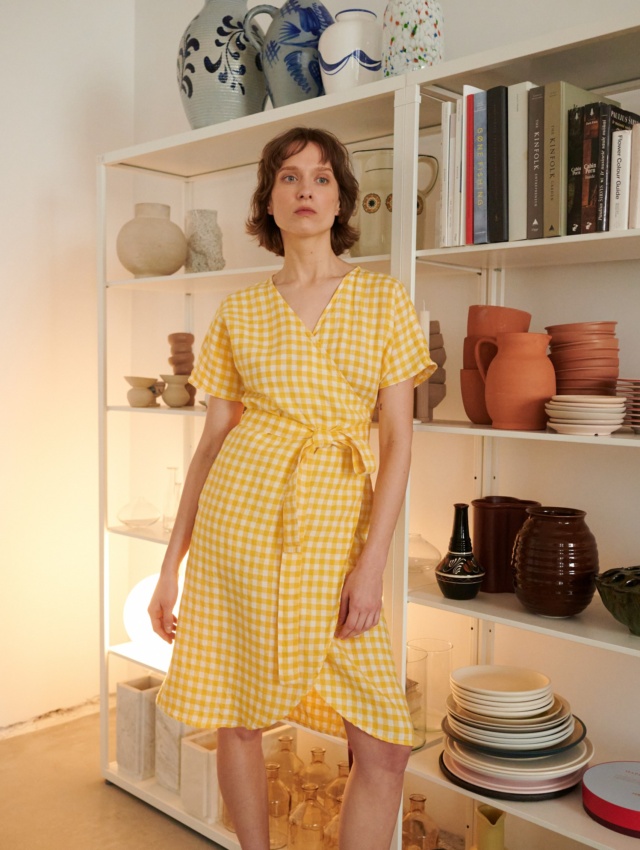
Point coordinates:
[(281, 612)]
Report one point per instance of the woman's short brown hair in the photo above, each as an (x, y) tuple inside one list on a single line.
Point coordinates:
[(262, 224)]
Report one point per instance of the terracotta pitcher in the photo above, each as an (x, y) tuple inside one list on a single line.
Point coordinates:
[(519, 380)]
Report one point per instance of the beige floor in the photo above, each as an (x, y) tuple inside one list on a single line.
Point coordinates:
[(53, 797)]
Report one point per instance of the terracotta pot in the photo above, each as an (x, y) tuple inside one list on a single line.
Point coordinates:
[(496, 522), (519, 381), (605, 344), (555, 562), (583, 327), (472, 388), (561, 337), (469, 352), (490, 320)]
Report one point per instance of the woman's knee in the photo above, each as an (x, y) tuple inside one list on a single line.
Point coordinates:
[(238, 734)]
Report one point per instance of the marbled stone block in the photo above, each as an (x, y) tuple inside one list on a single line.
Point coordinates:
[(198, 775), (169, 735), (136, 726)]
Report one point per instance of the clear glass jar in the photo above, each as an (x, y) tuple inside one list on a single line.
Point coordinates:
[(317, 772), (331, 832), (291, 766), (419, 830), (279, 800), (308, 821), (335, 789)]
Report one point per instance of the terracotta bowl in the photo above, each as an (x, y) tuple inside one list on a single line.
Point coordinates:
[(611, 342), (586, 391), (620, 592), (561, 337), (587, 363), (598, 373), (489, 320), (583, 327)]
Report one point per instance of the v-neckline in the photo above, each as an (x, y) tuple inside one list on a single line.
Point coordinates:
[(325, 310)]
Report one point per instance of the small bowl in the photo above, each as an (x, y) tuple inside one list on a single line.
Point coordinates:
[(459, 588), (619, 589), (583, 327), (139, 382)]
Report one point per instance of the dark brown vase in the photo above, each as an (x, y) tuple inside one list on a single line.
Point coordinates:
[(555, 561), (496, 522)]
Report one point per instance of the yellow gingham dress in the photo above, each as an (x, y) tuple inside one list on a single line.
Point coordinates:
[(284, 513)]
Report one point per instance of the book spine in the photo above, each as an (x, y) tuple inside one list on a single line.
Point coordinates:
[(497, 165), (553, 106), (469, 204), (590, 154), (620, 175), (518, 139), (453, 189), (604, 169), (634, 181), (535, 160), (574, 170), (458, 176), (445, 234), (480, 168)]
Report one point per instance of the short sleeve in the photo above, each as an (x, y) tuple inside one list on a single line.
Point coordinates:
[(215, 369), (406, 354)]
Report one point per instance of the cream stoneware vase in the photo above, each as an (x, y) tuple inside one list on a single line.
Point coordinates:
[(351, 50), (151, 244)]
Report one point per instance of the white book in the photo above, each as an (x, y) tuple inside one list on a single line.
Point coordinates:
[(634, 181), (453, 124), (460, 198), (518, 142), (620, 180), (445, 188)]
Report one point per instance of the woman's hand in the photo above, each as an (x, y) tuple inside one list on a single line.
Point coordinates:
[(361, 600), (160, 609)]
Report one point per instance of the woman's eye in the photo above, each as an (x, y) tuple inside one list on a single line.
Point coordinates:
[(323, 179), (288, 178)]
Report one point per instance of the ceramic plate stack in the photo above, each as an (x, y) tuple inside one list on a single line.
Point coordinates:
[(594, 415), (629, 392), (508, 735), (585, 357)]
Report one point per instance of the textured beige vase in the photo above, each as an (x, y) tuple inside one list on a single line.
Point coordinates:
[(136, 726), (198, 775), (151, 244)]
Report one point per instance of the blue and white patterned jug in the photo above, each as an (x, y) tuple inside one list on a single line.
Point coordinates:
[(219, 72), (289, 50)]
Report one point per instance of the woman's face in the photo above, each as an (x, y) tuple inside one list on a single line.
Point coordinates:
[(305, 196)]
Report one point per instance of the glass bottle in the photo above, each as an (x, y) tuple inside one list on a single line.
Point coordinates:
[(171, 499), (419, 830), (332, 830), (279, 807), (308, 821), (291, 766), (317, 772), (335, 789)]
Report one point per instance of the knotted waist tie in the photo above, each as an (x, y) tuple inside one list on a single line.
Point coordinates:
[(353, 438)]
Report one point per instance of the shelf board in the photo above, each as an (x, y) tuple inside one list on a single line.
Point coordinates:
[(161, 410), (613, 246), (156, 657), (152, 533), (564, 815), (624, 437), (362, 113), (595, 626), (169, 803)]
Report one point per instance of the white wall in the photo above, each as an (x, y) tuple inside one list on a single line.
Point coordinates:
[(67, 95)]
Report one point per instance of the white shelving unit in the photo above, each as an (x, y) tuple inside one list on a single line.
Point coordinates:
[(402, 108)]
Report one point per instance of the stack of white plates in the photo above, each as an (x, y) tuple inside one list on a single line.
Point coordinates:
[(628, 390), (509, 735), (591, 415)]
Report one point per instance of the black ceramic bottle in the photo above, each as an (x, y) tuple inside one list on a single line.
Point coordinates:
[(459, 575)]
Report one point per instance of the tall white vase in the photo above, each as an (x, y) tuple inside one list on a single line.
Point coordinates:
[(351, 50), (411, 36)]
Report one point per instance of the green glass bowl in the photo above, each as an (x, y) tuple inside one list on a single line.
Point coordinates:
[(620, 592)]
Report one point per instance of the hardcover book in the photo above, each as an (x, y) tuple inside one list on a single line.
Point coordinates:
[(518, 138), (634, 181), (574, 169), (480, 167), (535, 159), (497, 165), (590, 153), (612, 117), (620, 176)]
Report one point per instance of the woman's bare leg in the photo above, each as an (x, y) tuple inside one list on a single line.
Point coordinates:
[(243, 784), (373, 793)]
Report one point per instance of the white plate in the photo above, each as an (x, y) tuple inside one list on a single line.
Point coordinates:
[(514, 703), (595, 420), (497, 699), (545, 766), (519, 785), (587, 408), (585, 430), (593, 399), (557, 712), (525, 740), (498, 680)]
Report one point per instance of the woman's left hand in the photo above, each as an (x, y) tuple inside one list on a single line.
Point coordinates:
[(360, 602)]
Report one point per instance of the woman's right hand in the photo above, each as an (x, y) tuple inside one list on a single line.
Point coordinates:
[(160, 609)]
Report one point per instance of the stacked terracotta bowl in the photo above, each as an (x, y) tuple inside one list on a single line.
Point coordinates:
[(585, 357), (629, 391)]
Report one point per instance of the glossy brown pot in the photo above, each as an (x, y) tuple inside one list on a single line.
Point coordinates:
[(496, 522), (555, 562)]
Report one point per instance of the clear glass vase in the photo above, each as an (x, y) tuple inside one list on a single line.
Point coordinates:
[(335, 789), (317, 772), (291, 766), (308, 821), (331, 833), (419, 830), (279, 800)]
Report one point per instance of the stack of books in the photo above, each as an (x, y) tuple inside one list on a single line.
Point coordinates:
[(527, 161)]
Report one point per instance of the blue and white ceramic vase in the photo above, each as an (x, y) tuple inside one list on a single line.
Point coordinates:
[(351, 50), (411, 36), (219, 72), (289, 50)]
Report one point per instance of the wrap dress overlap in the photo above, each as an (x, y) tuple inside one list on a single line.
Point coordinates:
[(284, 514)]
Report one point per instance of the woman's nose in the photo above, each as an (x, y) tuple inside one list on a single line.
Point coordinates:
[(304, 190)]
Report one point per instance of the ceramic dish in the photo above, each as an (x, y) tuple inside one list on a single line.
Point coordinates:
[(583, 327), (558, 710), (515, 751), (593, 399), (519, 704), (499, 680), (524, 782), (534, 764), (515, 699), (585, 430), (523, 738), (593, 417)]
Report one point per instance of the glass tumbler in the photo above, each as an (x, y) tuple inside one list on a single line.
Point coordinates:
[(427, 685)]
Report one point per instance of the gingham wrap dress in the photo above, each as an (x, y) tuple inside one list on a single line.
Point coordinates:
[(284, 514)]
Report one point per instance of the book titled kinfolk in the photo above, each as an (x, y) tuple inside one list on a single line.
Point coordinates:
[(535, 160)]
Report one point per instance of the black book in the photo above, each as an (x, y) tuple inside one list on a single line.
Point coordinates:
[(590, 156), (574, 170), (611, 118), (497, 165)]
